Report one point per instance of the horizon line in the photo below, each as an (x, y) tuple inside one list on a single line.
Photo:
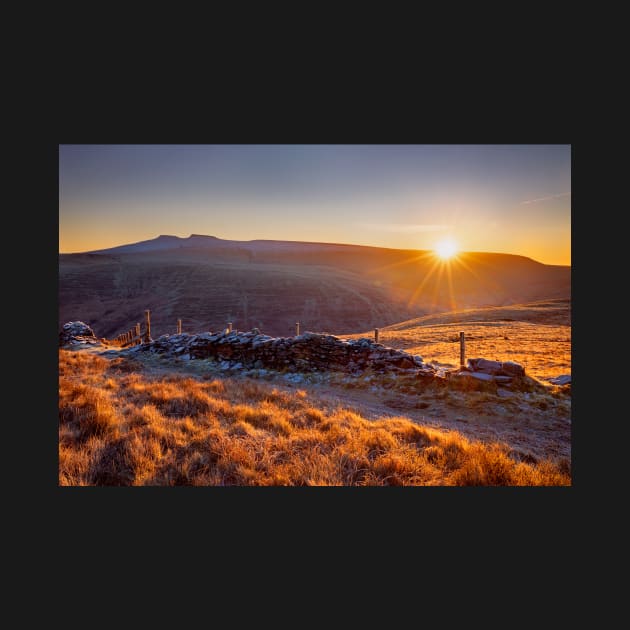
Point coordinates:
[(271, 240)]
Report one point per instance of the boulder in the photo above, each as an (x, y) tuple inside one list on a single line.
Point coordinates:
[(505, 368), (486, 366), (512, 368), (77, 332)]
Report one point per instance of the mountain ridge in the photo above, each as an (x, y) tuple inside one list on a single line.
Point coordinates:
[(271, 285), (170, 241)]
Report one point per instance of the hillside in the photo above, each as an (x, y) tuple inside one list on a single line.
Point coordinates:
[(337, 288), (135, 416), (537, 335), (123, 423)]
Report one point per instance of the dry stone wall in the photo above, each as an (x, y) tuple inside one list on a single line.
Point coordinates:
[(308, 352), (302, 353)]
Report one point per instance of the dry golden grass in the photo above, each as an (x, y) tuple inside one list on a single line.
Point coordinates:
[(120, 426), (537, 335)]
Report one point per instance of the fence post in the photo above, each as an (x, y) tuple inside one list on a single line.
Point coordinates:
[(376, 335), (229, 326), (462, 349), (147, 335), (297, 329), (179, 326)]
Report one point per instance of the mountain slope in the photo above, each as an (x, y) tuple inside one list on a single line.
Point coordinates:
[(207, 281)]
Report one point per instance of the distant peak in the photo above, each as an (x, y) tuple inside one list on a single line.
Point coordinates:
[(203, 236), (167, 236)]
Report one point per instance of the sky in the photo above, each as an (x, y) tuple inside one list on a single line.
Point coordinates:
[(512, 199)]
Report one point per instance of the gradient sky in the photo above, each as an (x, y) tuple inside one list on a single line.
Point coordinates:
[(496, 198)]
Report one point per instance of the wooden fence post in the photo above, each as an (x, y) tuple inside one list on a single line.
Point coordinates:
[(179, 326), (297, 329), (147, 335), (229, 326), (462, 349), (376, 335)]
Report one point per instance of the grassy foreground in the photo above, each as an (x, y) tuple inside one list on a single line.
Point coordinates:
[(119, 425)]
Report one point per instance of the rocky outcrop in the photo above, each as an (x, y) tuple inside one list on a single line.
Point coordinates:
[(76, 333), (496, 368), (303, 353), (485, 370)]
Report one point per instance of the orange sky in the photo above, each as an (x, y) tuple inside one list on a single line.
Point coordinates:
[(497, 198)]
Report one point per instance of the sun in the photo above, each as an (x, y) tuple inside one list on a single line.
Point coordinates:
[(446, 248)]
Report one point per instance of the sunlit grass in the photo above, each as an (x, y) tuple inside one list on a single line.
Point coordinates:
[(543, 348), (120, 426)]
